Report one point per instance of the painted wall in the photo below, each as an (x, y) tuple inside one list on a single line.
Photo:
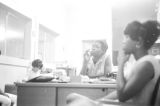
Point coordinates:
[(122, 14), (12, 70)]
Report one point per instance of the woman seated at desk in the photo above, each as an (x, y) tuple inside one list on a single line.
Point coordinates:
[(97, 63), (138, 88)]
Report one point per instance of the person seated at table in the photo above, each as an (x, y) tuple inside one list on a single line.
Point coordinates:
[(97, 62), (138, 88), (37, 73), (36, 69)]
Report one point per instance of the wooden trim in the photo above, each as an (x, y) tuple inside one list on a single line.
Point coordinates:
[(11, 61)]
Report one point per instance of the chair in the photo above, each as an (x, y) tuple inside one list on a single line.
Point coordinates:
[(155, 98), (155, 95), (10, 88), (11, 104)]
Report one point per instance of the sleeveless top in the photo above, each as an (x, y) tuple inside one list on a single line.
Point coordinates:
[(98, 68), (144, 96)]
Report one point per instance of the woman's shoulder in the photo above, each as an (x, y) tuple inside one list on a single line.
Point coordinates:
[(147, 62), (143, 68), (144, 61), (148, 58)]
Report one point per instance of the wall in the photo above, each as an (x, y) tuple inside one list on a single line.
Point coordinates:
[(12, 70), (140, 10), (91, 22), (125, 12)]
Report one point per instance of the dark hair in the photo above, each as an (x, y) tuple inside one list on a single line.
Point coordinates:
[(103, 43), (148, 31), (37, 63)]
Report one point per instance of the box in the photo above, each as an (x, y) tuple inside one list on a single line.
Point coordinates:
[(75, 79)]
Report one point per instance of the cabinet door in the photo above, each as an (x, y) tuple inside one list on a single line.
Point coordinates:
[(36, 96), (93, 93)]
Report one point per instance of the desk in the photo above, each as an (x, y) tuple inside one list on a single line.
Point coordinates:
[(116, 103), (121, 104), (54, 94)]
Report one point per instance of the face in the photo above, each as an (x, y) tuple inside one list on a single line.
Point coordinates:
[(96, 49), (35, 69), (129, 45)]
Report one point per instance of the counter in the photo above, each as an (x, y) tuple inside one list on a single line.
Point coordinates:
[(86, 85)]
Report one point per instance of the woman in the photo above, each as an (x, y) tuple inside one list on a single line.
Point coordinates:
[(138, 40), (97, 62), (138, 87)]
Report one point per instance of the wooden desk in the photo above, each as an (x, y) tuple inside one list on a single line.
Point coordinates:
[(114, 103), (121, 104), (54, 94)]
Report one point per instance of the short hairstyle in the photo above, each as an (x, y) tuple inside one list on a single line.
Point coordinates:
[(148, 31), (103, 43), (37, 63)]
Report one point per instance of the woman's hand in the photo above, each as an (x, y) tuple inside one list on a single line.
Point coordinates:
[(87, 56), (123, 57)]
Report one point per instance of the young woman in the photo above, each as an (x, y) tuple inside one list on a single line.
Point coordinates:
[(139, 37), (138, 87)]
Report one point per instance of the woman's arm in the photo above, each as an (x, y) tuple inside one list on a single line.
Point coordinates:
[(122, 59), (142, 74), (86, 58), (108, 65), (84, 69)]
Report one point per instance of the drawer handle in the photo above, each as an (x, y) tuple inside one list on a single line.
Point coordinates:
[(104, 89)]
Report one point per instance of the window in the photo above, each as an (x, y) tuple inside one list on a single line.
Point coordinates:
[(46, 44), (13, 31), (14, 36)]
